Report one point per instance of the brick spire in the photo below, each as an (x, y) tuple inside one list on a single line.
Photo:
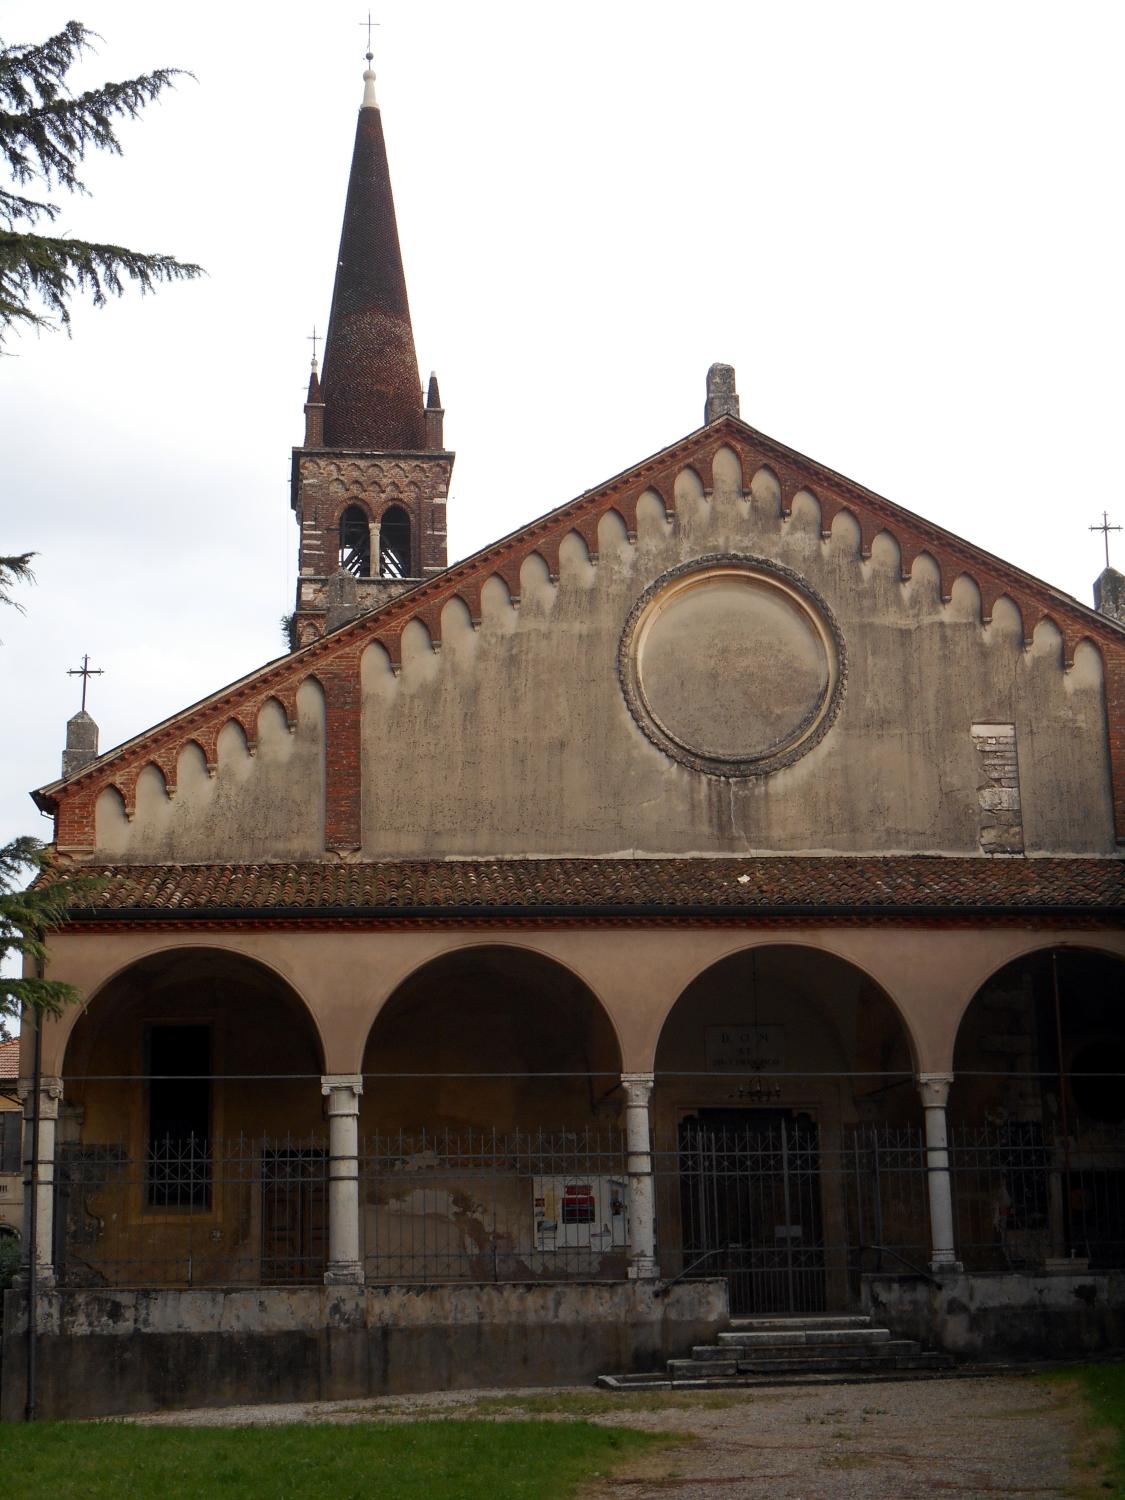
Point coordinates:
[(371, 391)]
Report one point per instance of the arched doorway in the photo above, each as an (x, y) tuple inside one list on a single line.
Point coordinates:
[(1037, 1115), (492, 1145), (191, 1145), (788, 1132)]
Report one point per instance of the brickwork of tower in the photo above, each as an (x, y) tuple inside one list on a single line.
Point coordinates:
[(371, 480)]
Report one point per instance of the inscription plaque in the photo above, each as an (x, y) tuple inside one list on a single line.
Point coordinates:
[(745, 1049)]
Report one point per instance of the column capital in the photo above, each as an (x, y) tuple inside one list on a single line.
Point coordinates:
[(50, 1096), (332, 1083), (934, 1089), (638, 1086)]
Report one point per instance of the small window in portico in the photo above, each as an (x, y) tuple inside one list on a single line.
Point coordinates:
[(179, 1116)]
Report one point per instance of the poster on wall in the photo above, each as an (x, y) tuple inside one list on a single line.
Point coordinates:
[(589, 1213), (744, 1049)]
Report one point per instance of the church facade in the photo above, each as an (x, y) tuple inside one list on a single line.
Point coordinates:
[(707, 899)]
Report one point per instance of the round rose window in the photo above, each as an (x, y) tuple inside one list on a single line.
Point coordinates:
[(732, 665)]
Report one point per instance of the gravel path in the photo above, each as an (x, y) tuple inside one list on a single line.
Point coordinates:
[(984, 1437), (882, 1442)]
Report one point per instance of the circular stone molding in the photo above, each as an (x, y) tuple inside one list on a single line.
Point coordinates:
[(732, 665)]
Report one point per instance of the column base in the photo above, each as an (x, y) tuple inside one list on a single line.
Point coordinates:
[(344, 1273), (643, 1268), (45, 1280), (946, 1268)]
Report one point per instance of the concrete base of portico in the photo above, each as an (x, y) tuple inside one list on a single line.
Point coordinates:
[(105, 1352), (988, 1315)]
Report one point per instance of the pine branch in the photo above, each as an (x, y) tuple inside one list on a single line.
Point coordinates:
[(53, 270), (48, 142), (14, 570), (27, 917), (45, 133), (14, 207)]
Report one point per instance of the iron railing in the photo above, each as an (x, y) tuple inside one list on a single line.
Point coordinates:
[(791, 1212), (495, 1205)]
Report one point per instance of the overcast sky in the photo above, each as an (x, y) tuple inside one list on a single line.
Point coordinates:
[(900, 223)]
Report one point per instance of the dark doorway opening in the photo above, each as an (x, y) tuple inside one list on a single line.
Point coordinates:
[(179, 1116), (750, 1203)]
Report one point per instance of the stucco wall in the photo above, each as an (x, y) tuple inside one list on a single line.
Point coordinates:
[(265, 805), (517, 740)]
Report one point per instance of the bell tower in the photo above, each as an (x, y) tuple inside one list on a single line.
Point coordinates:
[(370, 482)]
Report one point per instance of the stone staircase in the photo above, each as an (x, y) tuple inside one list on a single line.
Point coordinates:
[(789, 1351)]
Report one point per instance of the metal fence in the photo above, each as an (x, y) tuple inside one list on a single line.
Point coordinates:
[(792, 1213), (495, 1206), (192, 1212)]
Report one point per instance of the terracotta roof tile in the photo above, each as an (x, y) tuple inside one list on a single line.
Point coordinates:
[(618, 886), (10, 1059)]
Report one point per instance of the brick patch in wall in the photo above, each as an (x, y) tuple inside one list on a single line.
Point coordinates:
[(998, 788)]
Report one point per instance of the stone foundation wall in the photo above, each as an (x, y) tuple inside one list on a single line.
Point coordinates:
[(107, 1352), (990, 1316)]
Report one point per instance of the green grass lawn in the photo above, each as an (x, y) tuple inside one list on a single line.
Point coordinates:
[(1102, 1389), (442, 1460)]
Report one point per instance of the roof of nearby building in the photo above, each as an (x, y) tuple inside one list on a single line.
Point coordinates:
[(10, 1059), (726, 887)]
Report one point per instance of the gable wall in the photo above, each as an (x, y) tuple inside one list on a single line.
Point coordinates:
[(516, 739)]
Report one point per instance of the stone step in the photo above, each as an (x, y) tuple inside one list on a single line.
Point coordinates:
[(778, 1379), (822, 1353), (710, 1355), (793, 1321), (806, 1337), (687, 1369)]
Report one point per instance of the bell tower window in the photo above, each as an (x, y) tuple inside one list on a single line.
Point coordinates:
[(355, 542), (394, 543)]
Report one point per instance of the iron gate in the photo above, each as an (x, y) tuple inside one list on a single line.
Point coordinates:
[(750, 1203)]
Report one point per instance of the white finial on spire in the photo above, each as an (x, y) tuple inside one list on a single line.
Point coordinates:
[(369, 100)]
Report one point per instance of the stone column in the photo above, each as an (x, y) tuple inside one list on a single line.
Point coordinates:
[(39, 1175), (642, 1200), (934, 1089), (344, 1264)]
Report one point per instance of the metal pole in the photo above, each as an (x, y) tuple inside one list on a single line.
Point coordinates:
[(32, 1186), (788, 1217), (1068, 1244)]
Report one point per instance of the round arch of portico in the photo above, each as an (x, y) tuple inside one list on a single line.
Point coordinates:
[(492, 942), (778, 940), (1110, 945), (93, 982)]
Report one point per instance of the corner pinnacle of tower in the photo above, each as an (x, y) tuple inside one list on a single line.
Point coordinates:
[(434, 417)]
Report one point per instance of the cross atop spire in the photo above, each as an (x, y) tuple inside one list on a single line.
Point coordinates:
[(1105, 528), (85, 671)]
